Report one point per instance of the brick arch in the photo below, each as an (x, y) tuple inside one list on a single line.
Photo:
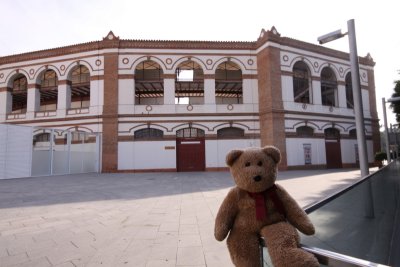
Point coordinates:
[(145, 126), (42, 69), (144, 58), (71, 66), (238, 62), (304, 60), (332, 67), (11, 76), (235, 125), (186, 58), (187, 125), (306, 123)]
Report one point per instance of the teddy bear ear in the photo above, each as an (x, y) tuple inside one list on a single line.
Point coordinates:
[(273, 152), (232, 156)]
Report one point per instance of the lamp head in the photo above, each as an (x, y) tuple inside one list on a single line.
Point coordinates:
[(330, 36)]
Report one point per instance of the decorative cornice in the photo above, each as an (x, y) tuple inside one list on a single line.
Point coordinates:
[(111, 41)]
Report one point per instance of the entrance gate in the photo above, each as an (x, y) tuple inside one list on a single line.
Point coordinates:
[(190, 151), (333, 149)]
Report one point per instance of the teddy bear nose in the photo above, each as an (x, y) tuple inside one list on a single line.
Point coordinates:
[(257, 178)]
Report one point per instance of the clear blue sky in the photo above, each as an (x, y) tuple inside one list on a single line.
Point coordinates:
[(37, 24)]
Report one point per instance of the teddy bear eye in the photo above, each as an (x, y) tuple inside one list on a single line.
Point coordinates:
[(259, 163), (247, 164)]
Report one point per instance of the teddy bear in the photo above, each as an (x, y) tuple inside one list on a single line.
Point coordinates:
[(258, 207)]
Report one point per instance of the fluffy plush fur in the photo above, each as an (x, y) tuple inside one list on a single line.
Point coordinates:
[(254, 171)]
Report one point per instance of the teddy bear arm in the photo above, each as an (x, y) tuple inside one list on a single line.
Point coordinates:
[(295, 214), (225, 216)]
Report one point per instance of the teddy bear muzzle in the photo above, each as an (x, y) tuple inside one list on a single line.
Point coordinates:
[(257, 178)]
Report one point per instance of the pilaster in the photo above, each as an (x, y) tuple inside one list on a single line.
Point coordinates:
[(110, 114), (272, 120), (33, 101)]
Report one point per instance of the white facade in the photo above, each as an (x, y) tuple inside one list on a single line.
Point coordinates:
[(109, 101)]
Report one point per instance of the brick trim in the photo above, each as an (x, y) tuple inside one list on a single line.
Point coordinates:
[(126, 76), (249, 76), (64, 82), (209, 76), (5, 89), (96, 77), (110, 114), (168, 76), (33, 86)]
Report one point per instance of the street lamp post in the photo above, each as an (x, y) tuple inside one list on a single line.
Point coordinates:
[(393, 99), (355, 79), (358, 108)]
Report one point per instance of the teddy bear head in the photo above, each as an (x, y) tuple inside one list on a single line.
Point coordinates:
[(254, 169)]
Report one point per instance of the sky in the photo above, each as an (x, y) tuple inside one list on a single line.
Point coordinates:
[(37, 24)]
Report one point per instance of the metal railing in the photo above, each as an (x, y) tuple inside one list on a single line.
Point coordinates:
[(359, 225)]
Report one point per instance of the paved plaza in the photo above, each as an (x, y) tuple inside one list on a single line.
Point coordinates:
[(150, 219)]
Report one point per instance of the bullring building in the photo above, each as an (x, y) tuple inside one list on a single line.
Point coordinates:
[(182, 105)]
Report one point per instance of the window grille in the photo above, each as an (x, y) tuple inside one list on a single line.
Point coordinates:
[(230, 132), (148, 133)]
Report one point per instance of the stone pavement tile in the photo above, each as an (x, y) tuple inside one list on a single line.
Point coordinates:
[(65, 253), (218, 259), (121, 249), (170, 238), (190, 256), (65, 264), (40, 262), (160, 263), (189, 241), (136, 254), (3, 252), (147, 232), (164, 252), (40, 249), (21, 247), (169, 227), (14, 259), (19, 230), (188, 229), (188, 220)]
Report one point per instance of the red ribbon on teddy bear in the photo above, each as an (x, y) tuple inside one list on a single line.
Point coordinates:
[(260, 199)]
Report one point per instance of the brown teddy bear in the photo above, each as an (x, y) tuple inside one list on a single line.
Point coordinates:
[(259, 207)]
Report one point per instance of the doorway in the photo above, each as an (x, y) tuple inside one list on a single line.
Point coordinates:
[(333, 149), (190, 153)]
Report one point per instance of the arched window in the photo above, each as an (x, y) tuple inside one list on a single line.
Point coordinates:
[(332, 133), (329, 87), (353, 134), (189, 83), (228, 83), (149, 83), (304, 131), (230, 133), (48, 90), (349, 91), (301, 83), (189, 133), (148, 134), (19, 94), (42, 137), (80, 87)]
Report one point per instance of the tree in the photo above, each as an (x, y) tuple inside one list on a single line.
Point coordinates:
[(396, 105)]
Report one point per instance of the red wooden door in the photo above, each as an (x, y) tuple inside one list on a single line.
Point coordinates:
[(333, 154), (332, 149), (190, 154)]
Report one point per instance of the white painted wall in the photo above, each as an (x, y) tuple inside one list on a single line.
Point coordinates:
[(146, 155), (349, 152), (216, 150), (295, 152), (15, 151)]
